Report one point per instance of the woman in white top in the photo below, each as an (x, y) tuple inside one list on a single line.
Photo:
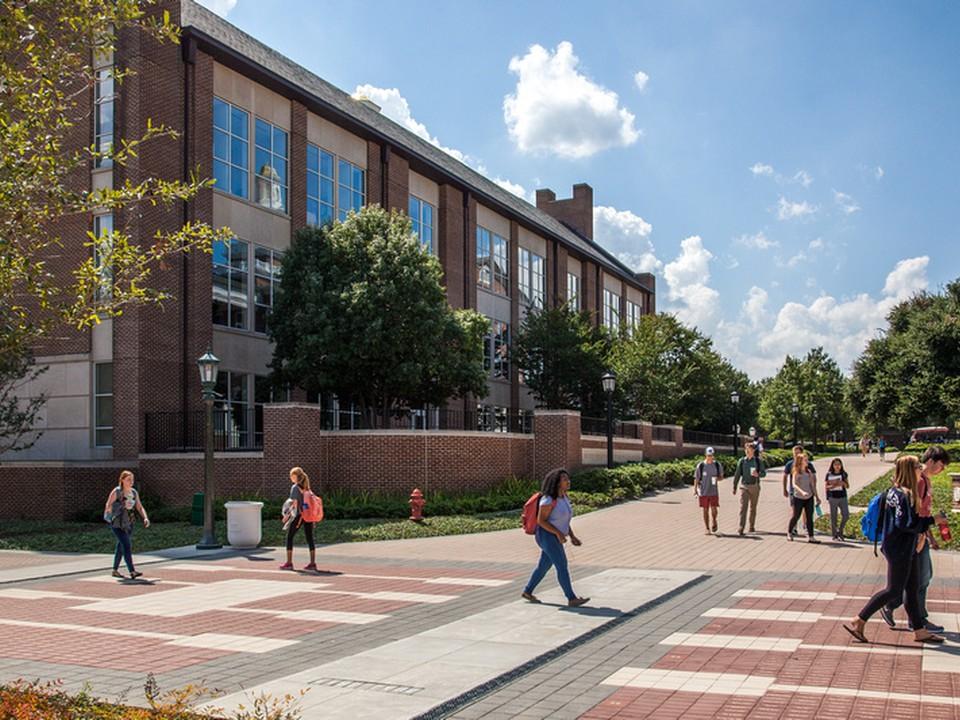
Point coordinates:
[(118, 511), (804, 496)]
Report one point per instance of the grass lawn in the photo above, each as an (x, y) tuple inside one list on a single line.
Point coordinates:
[(942, 500)]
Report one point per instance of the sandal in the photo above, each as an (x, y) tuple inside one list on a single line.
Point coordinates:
[(530, 597), (932, 638), (117, 574), (858, 634)]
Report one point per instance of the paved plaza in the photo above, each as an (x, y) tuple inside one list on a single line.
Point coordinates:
[(679, 624)]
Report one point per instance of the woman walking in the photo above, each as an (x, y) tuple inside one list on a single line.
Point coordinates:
[(121, 503), (904, 535), (553, 529), (836, 483), (293, 518), (804, 496)]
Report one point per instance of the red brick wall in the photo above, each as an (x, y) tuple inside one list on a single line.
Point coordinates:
[(398, 183), (295, 169), (173, 480), (374, 174), (449, 243), (556, 441), (54, 492)]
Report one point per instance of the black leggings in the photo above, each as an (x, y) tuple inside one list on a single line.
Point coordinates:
[(901, 583), (805, 507), (307, 530)]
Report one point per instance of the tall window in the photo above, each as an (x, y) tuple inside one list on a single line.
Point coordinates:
[(573, 292), (421, 214), (231, 156), (266, 278), (270, 165), (496, 346), (103, 404), (611, 311), (633, 316), (350, 188), (492, 418), (531, 279), (234, 425), (493, 262), (102, 231), (104, 97), (320, 199), (230, 282)]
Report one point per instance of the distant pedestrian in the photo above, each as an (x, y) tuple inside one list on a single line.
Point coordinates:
[(119, 510), (293, 518), (788, 476), (882, 448), (750, 470), (804, 496), (705, 478), (836, 483), (935, 460), (864, 446), (553, 528), (903, 538)]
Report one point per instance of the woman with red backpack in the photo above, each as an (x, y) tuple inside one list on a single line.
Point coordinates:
[(554, 513), (301, 510)]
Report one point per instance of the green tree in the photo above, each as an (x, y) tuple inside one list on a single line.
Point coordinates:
[(670, 373), (47, 49), (361, 313), (816, 384), (561, 355), (911, 376)]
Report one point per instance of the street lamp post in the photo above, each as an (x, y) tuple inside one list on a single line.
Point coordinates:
[(796, 411), (734, 401), (816, 428), (208, 364), (609, 382)]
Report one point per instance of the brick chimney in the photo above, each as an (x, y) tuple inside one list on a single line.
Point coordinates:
[(576, 212)]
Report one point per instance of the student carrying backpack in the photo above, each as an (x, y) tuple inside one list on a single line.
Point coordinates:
[(871, 524), (305, 505)]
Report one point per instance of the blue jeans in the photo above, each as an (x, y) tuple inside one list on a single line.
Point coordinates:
[(923, 568), (124, 548), (551, 553)]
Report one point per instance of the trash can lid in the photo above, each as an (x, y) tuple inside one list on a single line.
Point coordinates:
[(243, 503)]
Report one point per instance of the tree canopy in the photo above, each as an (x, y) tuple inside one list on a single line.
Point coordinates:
[(361, 313), (46, 73)]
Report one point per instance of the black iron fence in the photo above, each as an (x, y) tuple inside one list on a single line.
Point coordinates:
[(664, 434), (234, 429), (699, 437), (598, 426), (491, 419)]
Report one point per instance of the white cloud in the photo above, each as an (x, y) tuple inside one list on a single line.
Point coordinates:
[(757, 241), (220, 7), (694, 302), (557, 109), (758, 340), (879, 173), (627, 236), (788, 210), (395, 106), (761, 169), (641, 79), (816, 244), (846, 203), (802, 177)]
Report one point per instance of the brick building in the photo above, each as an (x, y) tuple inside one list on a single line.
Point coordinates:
[(287, 149)]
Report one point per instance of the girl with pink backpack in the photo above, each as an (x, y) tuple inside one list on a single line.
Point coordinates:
[(305, 509)]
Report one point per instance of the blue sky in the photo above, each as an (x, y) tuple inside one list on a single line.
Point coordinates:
[(788, 170)]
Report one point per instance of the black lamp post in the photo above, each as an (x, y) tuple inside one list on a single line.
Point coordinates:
[(208, 364), (734, 401), (816, 428), (796, 412), (609, 382)]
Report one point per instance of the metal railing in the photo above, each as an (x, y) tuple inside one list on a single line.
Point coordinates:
[(234, 429), (664, 434), (492, 419), (699, 437), (598, 426)]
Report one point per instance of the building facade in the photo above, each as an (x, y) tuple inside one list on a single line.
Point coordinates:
[(287, 150)]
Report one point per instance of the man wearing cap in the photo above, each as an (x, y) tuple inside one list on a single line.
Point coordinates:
[(705, 478)]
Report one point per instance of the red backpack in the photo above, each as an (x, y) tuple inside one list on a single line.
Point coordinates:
[(531, 512), (311, 508)]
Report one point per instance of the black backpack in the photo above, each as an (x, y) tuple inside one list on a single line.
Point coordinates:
[(119, 516)]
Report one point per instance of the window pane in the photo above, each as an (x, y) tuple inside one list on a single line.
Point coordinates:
[(221, 114), (238, 388), (313, 185), (221, 252), (105, 118), (280, 166), (313, 212), (313, 158), (221, 145), (343, 170), (104, 411), (238, 316), (221, 174), (343, 199), (239, 123), (104, 380), (221, 313), (427, 217), (261, 291), (326, 191), (238, 255), (261, 261), (280, 142), (326, 164), (260, 318), (262, 163), (358, 180), (104, 438), (238, 153), (283, 198), (262, 134), (261, 389), (413, 208), (326, 214), (239, 184)]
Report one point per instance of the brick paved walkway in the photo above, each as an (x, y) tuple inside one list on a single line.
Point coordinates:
[(749, 641)]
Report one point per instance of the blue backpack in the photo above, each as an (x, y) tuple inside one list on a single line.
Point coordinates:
[(871, 524)]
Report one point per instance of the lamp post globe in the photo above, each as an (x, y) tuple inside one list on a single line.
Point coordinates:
[(609, 382), (734, 401), (209, 365), (796, 410)]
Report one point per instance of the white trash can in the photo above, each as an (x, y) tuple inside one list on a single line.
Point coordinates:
[(244, 525)]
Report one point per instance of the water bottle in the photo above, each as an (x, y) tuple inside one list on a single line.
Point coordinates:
[(944, 526), (819, 511)]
